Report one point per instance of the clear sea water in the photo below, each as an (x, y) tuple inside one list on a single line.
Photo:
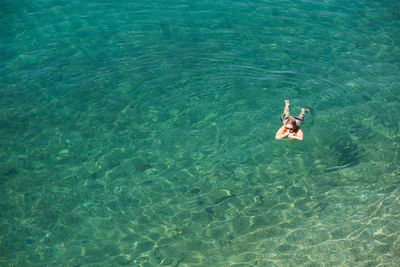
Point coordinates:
[(141, 133)]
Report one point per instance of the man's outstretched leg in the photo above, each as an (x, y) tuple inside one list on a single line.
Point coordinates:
[(286, 110), (303, 111)]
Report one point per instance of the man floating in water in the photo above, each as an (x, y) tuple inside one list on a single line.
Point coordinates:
[(291, 125)]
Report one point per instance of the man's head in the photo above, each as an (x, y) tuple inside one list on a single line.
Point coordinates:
[(290, 124)]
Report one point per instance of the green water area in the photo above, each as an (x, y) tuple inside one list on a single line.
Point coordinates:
[(142, 133)]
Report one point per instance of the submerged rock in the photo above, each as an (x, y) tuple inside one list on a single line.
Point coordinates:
[(143, 167)]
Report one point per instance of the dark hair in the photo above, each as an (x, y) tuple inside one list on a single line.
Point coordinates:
[(291, 120)]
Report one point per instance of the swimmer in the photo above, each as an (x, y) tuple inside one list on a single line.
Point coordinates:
[(291, 125)]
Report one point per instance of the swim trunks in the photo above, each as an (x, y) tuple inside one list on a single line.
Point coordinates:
[(298, 120)]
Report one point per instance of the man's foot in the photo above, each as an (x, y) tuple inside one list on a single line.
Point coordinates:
[(287, 103), (304, 110)]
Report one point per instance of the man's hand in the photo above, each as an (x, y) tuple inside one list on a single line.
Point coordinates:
[(297, 137)]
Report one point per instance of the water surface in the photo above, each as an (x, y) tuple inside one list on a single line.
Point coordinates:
[(142, 133)]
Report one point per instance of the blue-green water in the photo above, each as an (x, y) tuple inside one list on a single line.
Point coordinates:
[(142, 133)]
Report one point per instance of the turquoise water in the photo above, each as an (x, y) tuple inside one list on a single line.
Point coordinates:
[(141, 133)]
